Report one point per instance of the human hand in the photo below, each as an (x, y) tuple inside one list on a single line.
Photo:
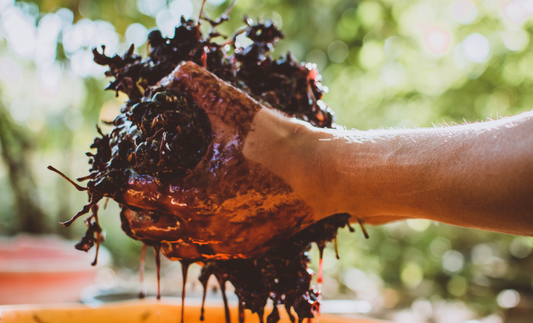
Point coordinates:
[(229, 206)]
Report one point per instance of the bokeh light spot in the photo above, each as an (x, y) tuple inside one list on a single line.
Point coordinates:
[(393, 47), (423, 308), (457, 286), (88, 9), (338, 51), (465, 12), (515, 39), (372, 54), (166, 22), (390, 298), (437, 40), (136, 34), (179, 8), (481, 253), (517, 10), (412, 275), (66, 15), (369, 12), (419, 225), (439, 246), (508, 298), (452, 261), (476, 47), (150, 7), (20, 31), (520, 247)]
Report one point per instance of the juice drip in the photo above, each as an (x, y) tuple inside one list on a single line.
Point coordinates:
[(95, 261), (204, 57), (241, 311), (142, 293), (274, 316), (352, 230), (362, 225), (184, 270), (222, 283), (319, 279), (202, 310), (261, 315), (336, 248), (288, 310), (97, 231), (157, 251), (319, 283)]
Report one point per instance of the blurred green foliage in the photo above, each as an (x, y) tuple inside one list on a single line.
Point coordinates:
[(386, 64)]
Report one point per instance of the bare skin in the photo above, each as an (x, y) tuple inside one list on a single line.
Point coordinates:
[(476, 175)]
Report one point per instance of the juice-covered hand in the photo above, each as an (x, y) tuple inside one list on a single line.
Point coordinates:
[(228, 206)]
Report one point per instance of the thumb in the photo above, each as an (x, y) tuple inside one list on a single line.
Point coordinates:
[(230, 110)]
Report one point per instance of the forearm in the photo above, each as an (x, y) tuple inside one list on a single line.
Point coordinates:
[(477, 175)]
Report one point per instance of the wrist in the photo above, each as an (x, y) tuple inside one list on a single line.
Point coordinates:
[(277, 143), (267, 142), (287, 148), (354, 169)]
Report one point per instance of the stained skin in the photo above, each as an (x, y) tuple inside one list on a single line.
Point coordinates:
[(227, 207)]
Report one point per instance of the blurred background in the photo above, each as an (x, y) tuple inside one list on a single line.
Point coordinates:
[(386, 63)]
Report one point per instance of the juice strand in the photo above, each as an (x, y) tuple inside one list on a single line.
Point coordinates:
[(142, 293)]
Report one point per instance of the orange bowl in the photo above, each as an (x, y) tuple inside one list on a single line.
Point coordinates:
[(141, 311)]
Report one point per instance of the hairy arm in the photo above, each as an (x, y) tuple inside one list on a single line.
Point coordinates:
[(477, 175)]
